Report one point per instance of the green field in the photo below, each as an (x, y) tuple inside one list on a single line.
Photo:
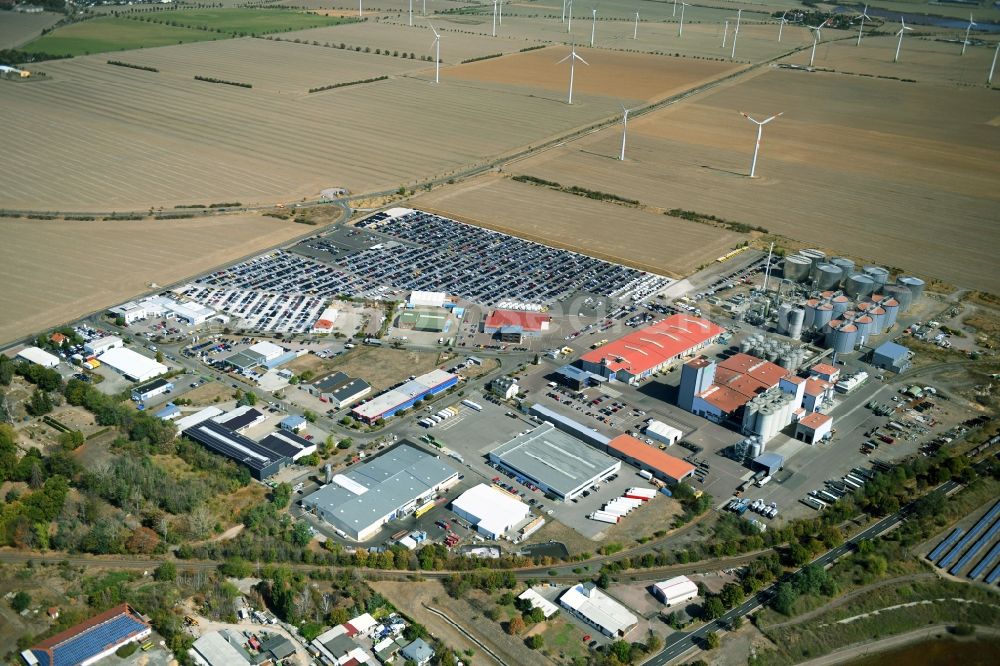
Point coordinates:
[(247, 21), (113, 34)]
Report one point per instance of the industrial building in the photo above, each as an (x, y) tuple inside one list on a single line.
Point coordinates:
[(288, 444), (240, 419), (262, 353), (658, 431), (648, 458), (101, 345), (432, 299), (131, 364), (259, 459), (159, 306), (892, 356), (515, 325), (558, 463), (293, 423), (504, 387), (151, 390), (326, 320), (568, 425), (597, 609), (388, 403), (91, 640), (360, 501), (423, 320), (814, 428), (186, 422), (38, 356), (538, 601), (492, 511), (226, 648), (646, 351), (769, 463), (577, 378), (340, 390), (169, 412), (675, 591)]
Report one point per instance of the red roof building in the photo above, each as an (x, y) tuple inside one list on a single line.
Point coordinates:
[(529, 323), (644, 352), (738, 379), (661, 465)]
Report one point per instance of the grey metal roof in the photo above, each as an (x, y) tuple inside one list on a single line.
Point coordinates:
[(418, 651), (331, 382), (349, 390), (393, 480), (772, 461), (553, 457), (892, 350)]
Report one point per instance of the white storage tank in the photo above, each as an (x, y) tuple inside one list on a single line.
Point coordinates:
[(879, 275), (809, 317), (827, 276), (796, 268), (783, 311), (914, 284), (846, 265)]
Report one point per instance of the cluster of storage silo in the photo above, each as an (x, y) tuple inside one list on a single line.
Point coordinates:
[(748, 448), (774, 350), (766, 414)]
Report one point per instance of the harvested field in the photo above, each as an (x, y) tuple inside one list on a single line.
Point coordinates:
[(55, 271), (281, 67), (102, 35), (620, 75), (18, 28), (138, 139), (646, 240), (209, 393), (872, 170)]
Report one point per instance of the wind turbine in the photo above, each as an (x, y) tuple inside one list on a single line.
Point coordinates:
[(501, 13), (572, 57), (863, 15), (564, 12), (437, 54), (569, 21), (760, 130), (411, 13), (680, 29), (425, 7), (965, 42), (635, 33), (989, 79), (817, 35), (593, 27), (359, 7), (899, 45), (625, 113), (736, 32), (494, 18), (725, 34), (675, 9), (781, 25)]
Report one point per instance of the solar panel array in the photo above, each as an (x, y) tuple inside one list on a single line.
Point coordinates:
[(981, 535), (92, 641)]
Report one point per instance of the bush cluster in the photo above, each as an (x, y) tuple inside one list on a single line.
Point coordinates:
[(347, 83), (209, 79)]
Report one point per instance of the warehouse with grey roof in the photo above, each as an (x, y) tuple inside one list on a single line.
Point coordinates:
[(555, 461)]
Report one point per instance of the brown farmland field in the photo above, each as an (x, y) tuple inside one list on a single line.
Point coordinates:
[(271, 66), (903, 174), (626, 76), (17, 28), (103, 138), (646, 240), (56, 270)]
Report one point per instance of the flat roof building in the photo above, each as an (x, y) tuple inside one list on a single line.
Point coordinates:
[(571, 426), (91, 640), (38, 356), (260, 460), (101, 345), (661, 432), (133, 365), (152, 389), (428, 321), (525, 323), (646, 351), (358, 502), (186, 422), (675, 591), (814, 427), (492, 511), (288, 444), (661, 465), (240, 419), (558, 463), (538, 601), (892, 356), (434, 299), (402, 397), (597, 609)]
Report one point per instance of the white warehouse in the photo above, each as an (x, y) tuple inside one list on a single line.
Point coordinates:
[(492, 511), (135, 366), (661, 432), (38, 356), (101, 345), (598, 610), (675, 591)]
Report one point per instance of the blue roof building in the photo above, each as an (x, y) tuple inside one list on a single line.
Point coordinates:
[(293, 423), (892, 356), (171, 411), (91, 640)]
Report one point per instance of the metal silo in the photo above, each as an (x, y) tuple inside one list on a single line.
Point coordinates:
[(814, 256), (902, 294), (845, 338), (755, 449), (840, 305), (828, 276), (879, 275), (771, 355), (859, 285), (745, 346), (796, 319), (914, 284), (783, 311), (866, 326), (796, 268), (878, 319), (810, 313), (891, 306), (824, 313), (846, 265), (827, 295)]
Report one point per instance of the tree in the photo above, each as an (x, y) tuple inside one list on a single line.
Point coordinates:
[(515, 625), (784, 598), (310, 415), (712, 640), (344, 444), (603, 580), (622, 651), (143, 540), (21, 601), (159, 357), (40, 403), (248, 398), (72, 439), (535, 642), (713, 608), (166, 572), (281, 495)]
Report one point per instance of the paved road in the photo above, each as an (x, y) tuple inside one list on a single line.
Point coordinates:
[(680, 643)]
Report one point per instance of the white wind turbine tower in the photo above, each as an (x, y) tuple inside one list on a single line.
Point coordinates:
[(680, 29), (411, 13), (725, 34), (437, 54), (494, 18), (359, 7), (899, 45), (781, 25), (817, 35), (569, 16), (760, 130), (635, 33), (989, 79), (425, 7), (965, 42), (675, 9), (593, 27), (863, 15), (500, 14), (625, 113), (736, 32), (564, 12), (572, 57)]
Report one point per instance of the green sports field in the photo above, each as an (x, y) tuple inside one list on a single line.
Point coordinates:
[(113, 34)]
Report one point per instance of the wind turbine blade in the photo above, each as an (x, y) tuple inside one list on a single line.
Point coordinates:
[(581, 60), (764, 122), (564, 59)]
